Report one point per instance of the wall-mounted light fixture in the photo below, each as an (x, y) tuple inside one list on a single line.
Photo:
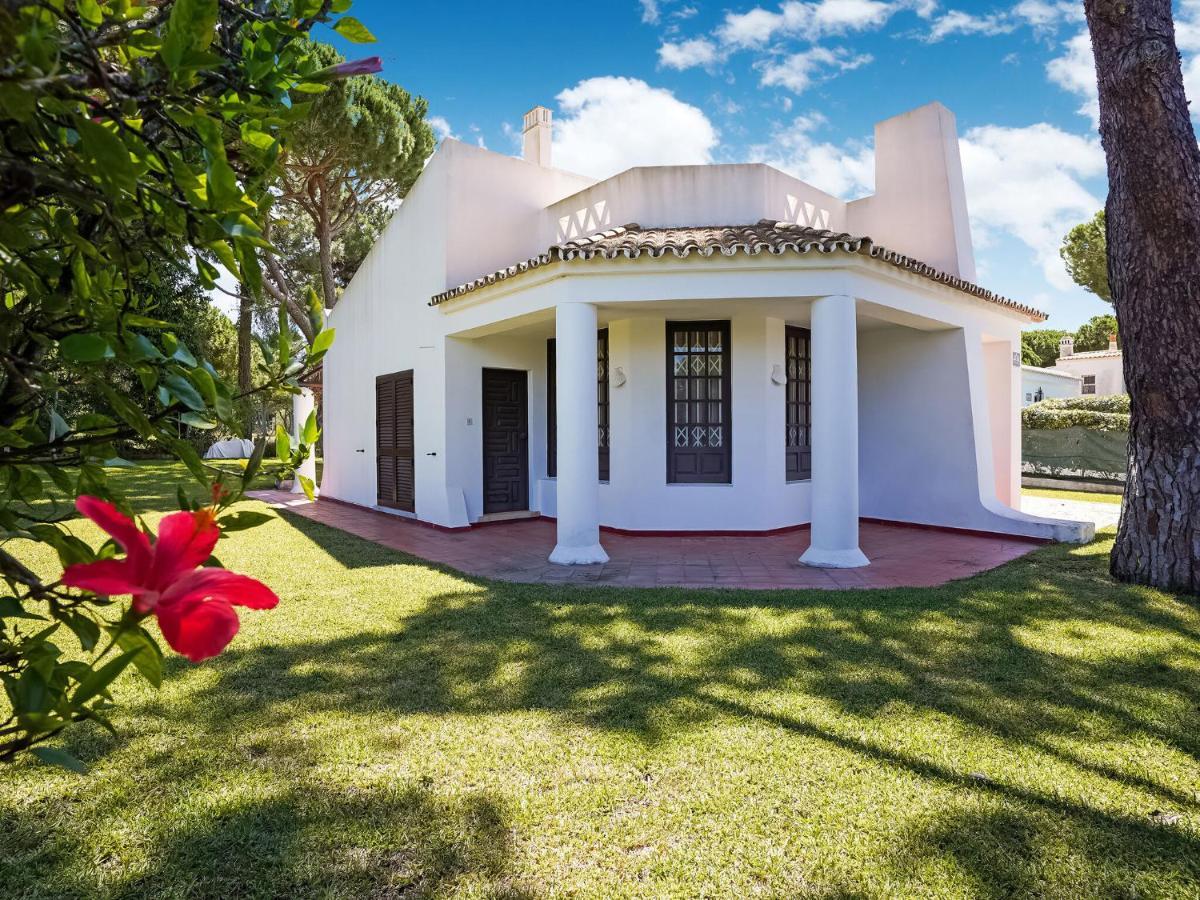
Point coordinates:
[(777, 374), (618, 377)]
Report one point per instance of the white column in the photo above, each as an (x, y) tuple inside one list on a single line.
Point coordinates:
[(834, 436), (577, 419), (303, 403)]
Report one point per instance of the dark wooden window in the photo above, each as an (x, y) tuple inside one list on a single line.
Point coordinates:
[(1089, 384), (395, 484), (699, 435), (798, 403), (602, 405)]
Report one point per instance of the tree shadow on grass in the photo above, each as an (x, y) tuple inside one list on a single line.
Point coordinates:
[(302, 841), (1020, 660)]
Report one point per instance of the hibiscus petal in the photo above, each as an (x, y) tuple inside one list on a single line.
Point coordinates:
[(199, 629), (119, 526), (107, 577), (220, 584), (185, 540)]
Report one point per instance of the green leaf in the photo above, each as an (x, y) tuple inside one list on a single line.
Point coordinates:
[(310, 489), (204, 383), (53, 756), (353, 30), (283, 444), (254, 463), (311, 432), (190, 28), (195, 420), (315, 309), (85, 629), (11, 608), (107, 153), (85, 348), (321, 343), (182, 389), (99, 680), (149, 658), (240, 521)]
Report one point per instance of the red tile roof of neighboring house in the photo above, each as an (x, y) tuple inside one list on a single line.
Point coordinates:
[(632, 241)]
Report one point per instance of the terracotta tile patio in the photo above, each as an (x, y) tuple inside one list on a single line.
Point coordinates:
[(517, 550)]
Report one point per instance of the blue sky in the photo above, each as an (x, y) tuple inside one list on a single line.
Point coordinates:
[(798, 84)]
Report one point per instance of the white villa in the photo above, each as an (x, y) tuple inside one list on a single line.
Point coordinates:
[(1099, 371), (1038, 383), (752, 355)]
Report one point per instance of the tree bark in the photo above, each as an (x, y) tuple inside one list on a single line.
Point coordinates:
[(244, 323), (1153, 236), (324, 232)]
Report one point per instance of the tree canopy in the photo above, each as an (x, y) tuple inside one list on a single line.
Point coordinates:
[(350, 159), (1084, 251), (1039, 346)]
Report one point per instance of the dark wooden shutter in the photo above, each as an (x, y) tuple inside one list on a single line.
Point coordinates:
[(551, 410), (602, 417), (602, 405), (699, 407), (798, 403), (395, 480)]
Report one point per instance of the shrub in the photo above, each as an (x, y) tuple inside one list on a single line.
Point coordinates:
[(1110, 403), (1042, 416)]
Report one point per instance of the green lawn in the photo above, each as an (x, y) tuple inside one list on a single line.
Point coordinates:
[(1085, 496), (398, 730)]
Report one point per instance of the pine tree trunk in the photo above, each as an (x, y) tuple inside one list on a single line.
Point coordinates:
[(244, 322), (324, 230), (1153, 225)]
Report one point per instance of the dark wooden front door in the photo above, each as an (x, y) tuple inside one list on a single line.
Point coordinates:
[(505, 441), (395, 484)]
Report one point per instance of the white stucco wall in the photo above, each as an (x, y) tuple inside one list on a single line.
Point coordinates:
[(692, 195), (1110, 376), (1051, 382)]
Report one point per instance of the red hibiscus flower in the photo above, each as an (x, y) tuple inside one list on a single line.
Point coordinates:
[(194, 606)]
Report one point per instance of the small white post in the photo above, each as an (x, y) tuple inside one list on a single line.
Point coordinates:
[(303, 403), (834, 541), (578, 421)]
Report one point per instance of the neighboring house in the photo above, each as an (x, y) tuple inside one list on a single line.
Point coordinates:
[(741, 360), (1043, 384), (1100, 371)]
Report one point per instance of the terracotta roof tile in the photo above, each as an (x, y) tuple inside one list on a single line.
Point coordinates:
[(778, 238)]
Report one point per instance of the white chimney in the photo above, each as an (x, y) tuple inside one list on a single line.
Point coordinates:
[(1112, 343), (537, 137), (1066, 347)]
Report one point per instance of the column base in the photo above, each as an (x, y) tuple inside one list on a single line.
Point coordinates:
[(578, 556), (834, 559)]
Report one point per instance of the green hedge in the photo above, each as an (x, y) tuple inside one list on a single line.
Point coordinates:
[(1111, 403), (1039, 418)]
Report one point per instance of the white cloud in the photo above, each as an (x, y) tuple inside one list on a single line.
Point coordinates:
[(1044, 14), (1027, 182), (686, 54), (812, 20), (750, 29), (441, 127), (798, 71), (1075, 71), (956, 21), (839, 16), (608, 124), (845, 172), (650, 12)]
